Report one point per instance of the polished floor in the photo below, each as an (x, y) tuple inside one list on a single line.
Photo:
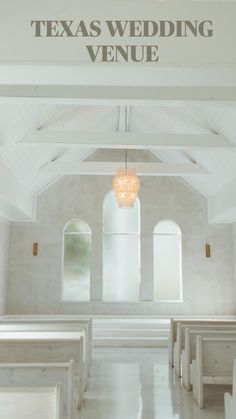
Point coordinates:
[(137, 383)]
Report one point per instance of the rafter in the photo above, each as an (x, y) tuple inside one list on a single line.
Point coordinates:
[(131, 140), (109, 168)]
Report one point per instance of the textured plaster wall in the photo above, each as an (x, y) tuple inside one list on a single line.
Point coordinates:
[(35, 282), (4, 246)]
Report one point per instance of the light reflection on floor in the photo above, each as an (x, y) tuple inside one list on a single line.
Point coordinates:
[(135, 383)]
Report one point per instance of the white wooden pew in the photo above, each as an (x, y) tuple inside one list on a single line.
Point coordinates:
[(44, 375), (54, 327), (189, 321), (55, 319), (31, 347), (230, 406), (213, 365), (230, 401), (180, 335), (28, 402), (189, 351)]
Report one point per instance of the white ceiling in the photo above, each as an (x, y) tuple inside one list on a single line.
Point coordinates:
[(18, 120)]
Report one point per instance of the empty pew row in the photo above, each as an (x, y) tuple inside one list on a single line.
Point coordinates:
[(47, 347), (54, 319), (80, 329), (190, 321), (179, 336), (189, 351), (28, 343), (45, 402), (230, 400), (207, 350), (183, 338)]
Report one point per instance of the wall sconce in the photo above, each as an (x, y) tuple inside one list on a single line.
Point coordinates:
[(35, 249), (208, 250)]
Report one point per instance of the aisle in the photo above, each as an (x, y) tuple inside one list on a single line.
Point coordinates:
[(137, 384)]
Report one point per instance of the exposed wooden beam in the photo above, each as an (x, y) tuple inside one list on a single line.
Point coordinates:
[(125, 85), (128, 74), (109, 168), (113, 95), (121, 140), (124, 96)]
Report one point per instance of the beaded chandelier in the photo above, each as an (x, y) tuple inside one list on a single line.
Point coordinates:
[(126, 186)]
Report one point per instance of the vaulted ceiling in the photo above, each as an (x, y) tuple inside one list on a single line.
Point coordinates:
[(24, 163)]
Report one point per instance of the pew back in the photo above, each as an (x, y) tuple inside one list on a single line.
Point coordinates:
[(53, 327), (44, 375), (180, 336), (217, 356), (189, 353), (54, 319), (213, 364), (191, 337)]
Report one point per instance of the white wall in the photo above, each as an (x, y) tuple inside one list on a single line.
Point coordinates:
[(35, 282), (4, 246)]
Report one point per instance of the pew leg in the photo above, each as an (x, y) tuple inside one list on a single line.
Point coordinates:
[(170, 344), (230, 406), (185, 372), (197, 385), (176, 361)]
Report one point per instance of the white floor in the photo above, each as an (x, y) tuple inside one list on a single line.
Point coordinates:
[(138, 384)]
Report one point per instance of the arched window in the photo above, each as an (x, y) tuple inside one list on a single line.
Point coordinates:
[(77, 260), (121, 251), (167, 261)]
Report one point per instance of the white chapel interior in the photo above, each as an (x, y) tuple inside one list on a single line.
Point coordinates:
[(118, 211)]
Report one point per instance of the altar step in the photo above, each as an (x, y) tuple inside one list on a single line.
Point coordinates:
[(131, 332)]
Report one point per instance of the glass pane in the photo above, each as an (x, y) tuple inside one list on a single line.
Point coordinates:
[(167, 268), (77, 226), (167, 227), (121, 268), (120, 220), (77, 254)]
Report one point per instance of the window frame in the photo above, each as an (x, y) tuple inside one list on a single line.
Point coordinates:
[(63, 300), (112, 233), (180, 300)]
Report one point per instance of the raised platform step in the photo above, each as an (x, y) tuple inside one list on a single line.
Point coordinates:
[(135, 323), (131, 332), (131, 342)]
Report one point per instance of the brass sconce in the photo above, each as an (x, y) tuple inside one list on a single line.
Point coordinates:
[(208, 250), (35, 249)]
